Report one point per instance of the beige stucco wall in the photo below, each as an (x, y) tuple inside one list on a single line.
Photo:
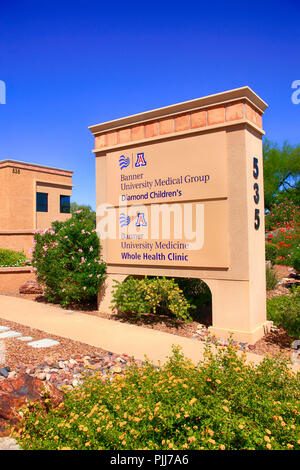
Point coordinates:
[(21, 241), (54, 191), (11, 279), (19, 183)]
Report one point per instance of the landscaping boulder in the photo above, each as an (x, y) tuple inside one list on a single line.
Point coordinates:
[(31, 287), (19, 390)]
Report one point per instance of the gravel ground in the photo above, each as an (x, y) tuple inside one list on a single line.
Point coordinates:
[(17, 352), (65, 365)]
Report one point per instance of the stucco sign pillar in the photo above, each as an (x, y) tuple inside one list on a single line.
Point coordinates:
[(180, 194)]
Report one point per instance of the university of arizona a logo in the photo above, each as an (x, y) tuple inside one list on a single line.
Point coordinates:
[(140, 221), (140, 160), (124, 162), (124, 220)]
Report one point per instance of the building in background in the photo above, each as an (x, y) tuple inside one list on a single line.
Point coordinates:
[(31, 197)]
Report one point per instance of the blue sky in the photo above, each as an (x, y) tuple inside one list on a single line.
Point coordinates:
[(71, 64)]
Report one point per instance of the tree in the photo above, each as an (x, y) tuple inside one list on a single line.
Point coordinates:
[(87, 211), (281, 173)]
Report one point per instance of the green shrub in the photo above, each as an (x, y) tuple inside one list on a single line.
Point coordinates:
[(272, 252), (296, 259), (67, 261), (284, 310), (271, 278), (157, 295), (222, 403), (10, 258), (195, 291)]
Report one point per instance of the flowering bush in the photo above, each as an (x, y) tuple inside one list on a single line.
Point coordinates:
[(10, 258), (287, 240), (284, 311), (283, 230), (221, 404), (282, 214), (67, 261), (139, 296)]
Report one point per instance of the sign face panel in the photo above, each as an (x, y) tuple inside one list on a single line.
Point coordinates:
[(169, 203), (188, 169)]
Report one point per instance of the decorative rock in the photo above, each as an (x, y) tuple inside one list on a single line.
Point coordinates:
[(4, 371), (8, 443), (17, 391), (43, 343), (9, 334), (41, 376), (31, 287), (12, 374)]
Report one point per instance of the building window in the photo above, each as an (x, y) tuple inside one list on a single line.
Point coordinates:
[(41, 202), (65, 206)]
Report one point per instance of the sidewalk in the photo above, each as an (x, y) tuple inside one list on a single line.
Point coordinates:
[(107, 334)]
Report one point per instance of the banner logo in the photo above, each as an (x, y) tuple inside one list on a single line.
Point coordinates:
[(124, 162)]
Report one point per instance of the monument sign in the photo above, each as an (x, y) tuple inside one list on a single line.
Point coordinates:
[(180, 194)]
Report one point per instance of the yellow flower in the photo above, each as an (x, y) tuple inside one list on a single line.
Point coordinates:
[(218, 381), (193, 400), (241, 426), (222, 447), (226, 409), (268, 431), (268, 446), (266, 438), (191, 439)]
